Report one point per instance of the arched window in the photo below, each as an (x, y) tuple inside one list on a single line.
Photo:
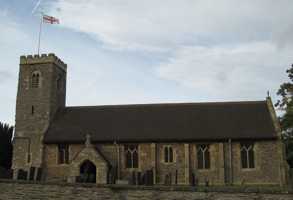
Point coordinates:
[(168, 154), (35, 79), (247, 155), (203, 156), (59, 83), (131, 156), (63, 154)]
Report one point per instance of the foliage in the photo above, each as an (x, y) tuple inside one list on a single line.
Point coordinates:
[(286, 120), (6, 133)]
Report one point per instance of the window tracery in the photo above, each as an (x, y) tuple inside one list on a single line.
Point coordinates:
[(247, 155), (203, 156), (131, 156)]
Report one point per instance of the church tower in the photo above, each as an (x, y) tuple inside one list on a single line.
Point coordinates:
[(41, 93)]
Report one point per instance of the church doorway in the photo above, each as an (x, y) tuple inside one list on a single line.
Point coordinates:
[(88, 172)]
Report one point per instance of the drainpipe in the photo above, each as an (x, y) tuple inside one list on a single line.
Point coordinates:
[(118, 160), (231, 163)]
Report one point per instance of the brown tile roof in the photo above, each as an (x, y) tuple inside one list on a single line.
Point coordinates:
[(163, 122)]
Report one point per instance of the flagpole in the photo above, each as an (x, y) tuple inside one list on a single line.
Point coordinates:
[(40, 32)]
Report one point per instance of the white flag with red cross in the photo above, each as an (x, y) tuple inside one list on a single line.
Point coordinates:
[(50, 20), (45, 19)]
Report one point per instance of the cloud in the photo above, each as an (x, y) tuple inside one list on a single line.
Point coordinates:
[(221, 48), (13, 42), (244, 71), (164, 25), (36, 6), (5, 75), (11, 32)]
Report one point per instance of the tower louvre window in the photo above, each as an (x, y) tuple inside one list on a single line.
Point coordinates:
[(59, 83), (35, 80)]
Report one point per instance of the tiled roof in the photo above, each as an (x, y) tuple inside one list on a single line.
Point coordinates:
[(163, 122)]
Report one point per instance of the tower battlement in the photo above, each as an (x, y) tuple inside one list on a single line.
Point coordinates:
[(43, 58)]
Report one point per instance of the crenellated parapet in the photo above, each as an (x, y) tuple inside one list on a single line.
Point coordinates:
[(41, 59)]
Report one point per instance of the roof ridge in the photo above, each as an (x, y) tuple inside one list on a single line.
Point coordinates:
[(169, 104)]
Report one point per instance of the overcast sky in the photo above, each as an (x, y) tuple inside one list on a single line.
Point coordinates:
[(150, 51)]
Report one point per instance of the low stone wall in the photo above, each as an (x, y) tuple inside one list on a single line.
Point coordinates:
[(29, 190)]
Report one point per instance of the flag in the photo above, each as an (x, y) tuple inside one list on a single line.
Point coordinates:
[(50, 19)]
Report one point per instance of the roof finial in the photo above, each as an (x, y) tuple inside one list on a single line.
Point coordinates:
[(88, 140)]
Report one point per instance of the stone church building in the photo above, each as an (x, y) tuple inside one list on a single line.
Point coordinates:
[(221, 143)]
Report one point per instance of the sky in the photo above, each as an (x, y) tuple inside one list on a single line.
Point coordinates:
[(150, 51)]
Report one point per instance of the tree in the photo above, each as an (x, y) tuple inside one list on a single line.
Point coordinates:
[(285, 104), (6, 133)]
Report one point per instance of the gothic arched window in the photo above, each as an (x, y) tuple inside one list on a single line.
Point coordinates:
[(35, 79), (131, 156), (59, 83), (247, 155), (63, 154), (168, 154), (203, 156)]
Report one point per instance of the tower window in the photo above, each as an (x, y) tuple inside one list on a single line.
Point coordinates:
[(63, 154), (59, 83), (131, 156), (203, 156), (28, 158), (35, 79), (168, 154), (33, 110), (247, 155)]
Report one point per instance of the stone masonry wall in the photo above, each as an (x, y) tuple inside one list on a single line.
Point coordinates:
[(267, 170), (35, 107), (21, 190), (170, 168)]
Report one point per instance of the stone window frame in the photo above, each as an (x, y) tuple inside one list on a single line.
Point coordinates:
[(67, 162), (59, 83), (125, 158), (254, 149), (164, 155), (197, 157), (36, 79)]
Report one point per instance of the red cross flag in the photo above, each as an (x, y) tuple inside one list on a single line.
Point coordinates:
[(45, 19), (50, 19)]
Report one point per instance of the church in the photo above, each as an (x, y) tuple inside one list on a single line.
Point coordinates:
[(213, 143)]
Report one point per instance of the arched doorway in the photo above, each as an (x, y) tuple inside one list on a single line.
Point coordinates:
[(88, 172)]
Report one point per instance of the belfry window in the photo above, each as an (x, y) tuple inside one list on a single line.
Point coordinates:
[(35, 79), (247, 155), (131, 156), (63, 154), (168, 154), (59, 83), (203, 156), (28, 158)]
